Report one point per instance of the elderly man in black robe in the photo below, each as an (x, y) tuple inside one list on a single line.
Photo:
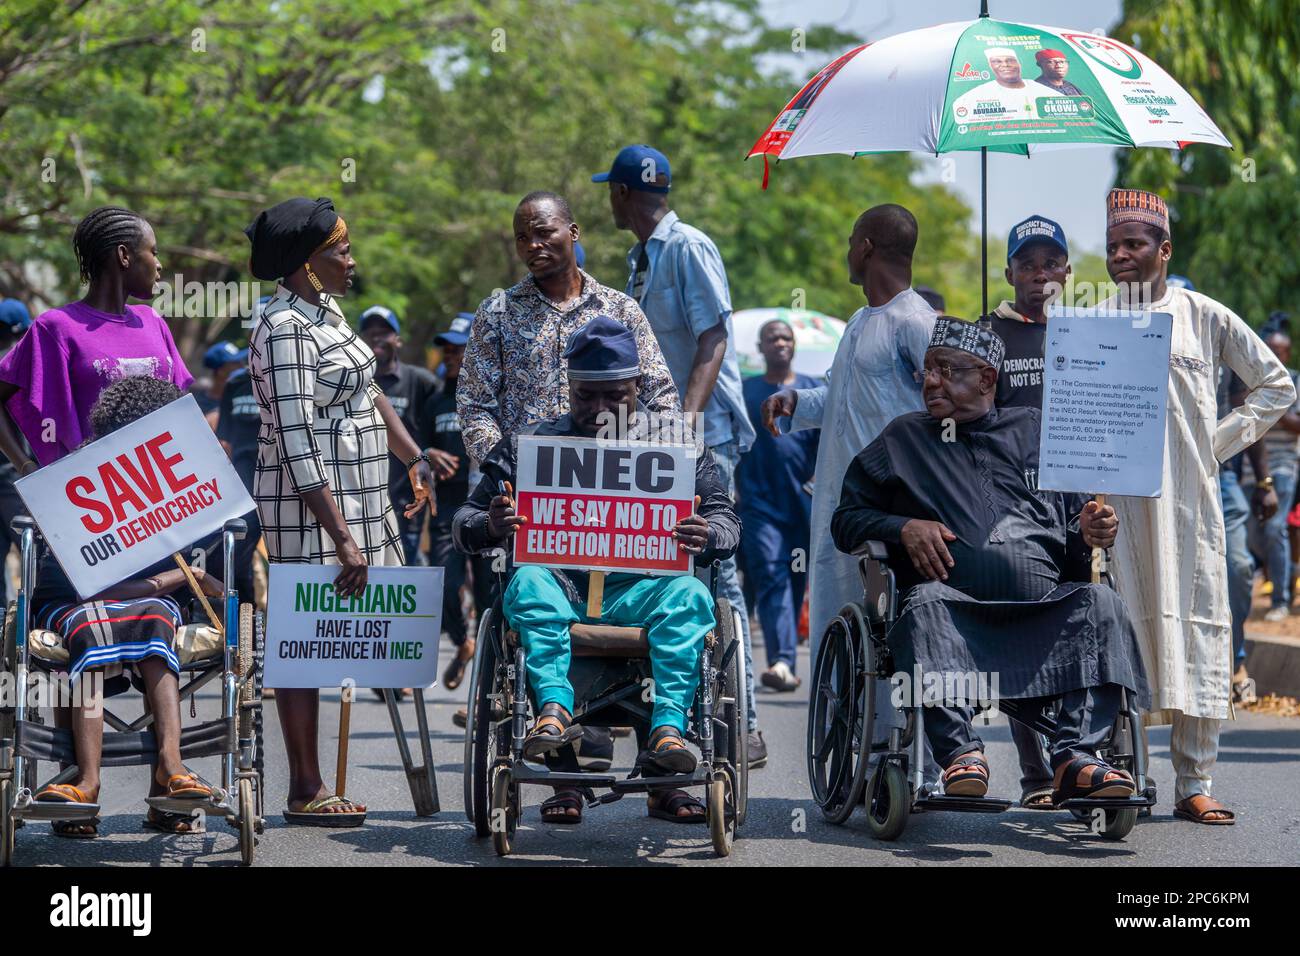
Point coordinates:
[(992, 568)]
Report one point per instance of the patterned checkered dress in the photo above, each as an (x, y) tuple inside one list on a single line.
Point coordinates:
[(313, 378)]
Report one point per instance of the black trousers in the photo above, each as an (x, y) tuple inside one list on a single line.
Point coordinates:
[(11, 506), (1083, 725), (443, 554)]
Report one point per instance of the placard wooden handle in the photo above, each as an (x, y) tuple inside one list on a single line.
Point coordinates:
[(595, 593), (198, 592), (345, 721)]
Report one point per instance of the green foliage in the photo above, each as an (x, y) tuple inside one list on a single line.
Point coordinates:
[(1234, 211), (198, 113)]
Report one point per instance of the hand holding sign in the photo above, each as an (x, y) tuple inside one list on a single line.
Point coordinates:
[(1098, 524), (692, 532), (502, 520)]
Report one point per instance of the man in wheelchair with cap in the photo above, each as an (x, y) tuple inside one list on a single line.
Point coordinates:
[(540, 603), (990, 569)]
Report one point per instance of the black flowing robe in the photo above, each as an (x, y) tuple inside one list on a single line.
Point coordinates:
[(1016, 602)]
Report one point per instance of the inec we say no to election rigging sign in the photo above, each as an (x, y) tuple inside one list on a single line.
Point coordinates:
[(130, 499), (599, 505)]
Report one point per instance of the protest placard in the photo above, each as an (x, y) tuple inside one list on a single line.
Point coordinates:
[(387, 636), (1105, 391), (128, 500), (599, 505)]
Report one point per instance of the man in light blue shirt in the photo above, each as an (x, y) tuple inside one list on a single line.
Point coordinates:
[(677, 277)]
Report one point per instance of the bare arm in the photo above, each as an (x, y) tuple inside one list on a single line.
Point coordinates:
[(403, 446), (710, 350), (10, 443)]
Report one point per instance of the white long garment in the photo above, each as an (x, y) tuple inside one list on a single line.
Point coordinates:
[(1168, 560), (869, 385)]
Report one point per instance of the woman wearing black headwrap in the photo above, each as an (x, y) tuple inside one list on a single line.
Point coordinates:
[(322, 471)]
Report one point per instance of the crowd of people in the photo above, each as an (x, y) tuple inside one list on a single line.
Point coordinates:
[(357, 458)]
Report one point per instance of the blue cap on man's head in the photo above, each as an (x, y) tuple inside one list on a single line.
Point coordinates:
[(603, 350), (14, 316), (458, 334), (223, 353), (381, 313), (1035, 229), (639, 167)]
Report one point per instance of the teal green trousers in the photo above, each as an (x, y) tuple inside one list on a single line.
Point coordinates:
[(677, 613)]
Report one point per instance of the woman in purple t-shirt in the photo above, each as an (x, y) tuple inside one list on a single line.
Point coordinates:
[(50, 380)]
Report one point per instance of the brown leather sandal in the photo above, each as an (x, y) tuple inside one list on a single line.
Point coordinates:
[(1185, 810), (553, 731), (666, 753)]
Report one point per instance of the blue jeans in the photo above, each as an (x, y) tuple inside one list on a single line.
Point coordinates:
[(1277, 542), (1241, 569), (727, 456), (778, 589)]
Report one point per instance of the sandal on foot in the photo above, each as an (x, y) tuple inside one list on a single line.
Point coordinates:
[(1185, 810), (554, 730), (1097, 787), (62, 793), (959, 782), (317, 813), (666, 753), (186, 786), (455, 672), (164, 821), (556, 809), (1037, 798), (665, 804), (75, 829)]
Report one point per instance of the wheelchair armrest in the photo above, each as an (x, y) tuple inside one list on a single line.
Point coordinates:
[(875, 550), (236, 526), (21, 523)]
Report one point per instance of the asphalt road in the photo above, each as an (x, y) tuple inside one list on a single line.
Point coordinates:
[(1259, 768)]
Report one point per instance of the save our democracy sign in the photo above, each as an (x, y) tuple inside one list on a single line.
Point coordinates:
[(128, 500), (1105, 393), (599, 505), (387, 636)]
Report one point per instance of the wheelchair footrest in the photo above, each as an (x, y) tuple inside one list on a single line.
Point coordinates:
[(675, 781), (939, 801), (49, 811), (522, 773), (1109, 803), (187, 807)]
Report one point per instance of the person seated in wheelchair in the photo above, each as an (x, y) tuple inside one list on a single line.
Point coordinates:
[(126, 633), (991, 569), (540, 603)]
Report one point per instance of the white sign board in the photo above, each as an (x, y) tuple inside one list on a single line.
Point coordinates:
[(128, 500), (1105, 391), (385, 637), (601, 505)]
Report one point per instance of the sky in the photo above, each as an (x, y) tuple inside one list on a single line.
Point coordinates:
[(1074, 180)]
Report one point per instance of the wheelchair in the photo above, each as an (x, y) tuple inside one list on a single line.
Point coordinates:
[(848, 766), (236, 736), (610, 671)]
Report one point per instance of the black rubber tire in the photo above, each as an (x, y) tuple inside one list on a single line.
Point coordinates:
[(7, 823), (720, 807), (504, 814), (842, 694), (1119, 823), (247, 822), (735, 715), (887, 814), (481, 731)]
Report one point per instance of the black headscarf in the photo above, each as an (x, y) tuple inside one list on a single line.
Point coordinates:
[(285, 235)]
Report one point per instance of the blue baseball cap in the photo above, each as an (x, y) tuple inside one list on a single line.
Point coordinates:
[(458, 334), (639, 167), (383, 313), (223, 353), (603, 350), (15, 316), (1180, 282), (1035, 229)]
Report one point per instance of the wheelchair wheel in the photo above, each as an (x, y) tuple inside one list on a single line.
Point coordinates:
[(504, 813), (721, 808), (888, 802), (259, 748), (247, 822), (736, 714), (1119, 823), (481, 730), (841, 708), (7, 822), (244, 667)]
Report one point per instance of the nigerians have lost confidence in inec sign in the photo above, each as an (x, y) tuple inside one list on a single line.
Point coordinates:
[(386, 636), (128, 500), (599, 505), (1105, 391)]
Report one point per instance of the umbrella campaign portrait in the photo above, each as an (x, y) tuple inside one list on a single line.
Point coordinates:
[(984, 85)]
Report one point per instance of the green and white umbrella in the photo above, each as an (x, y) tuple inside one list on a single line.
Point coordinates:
[(985, 85)]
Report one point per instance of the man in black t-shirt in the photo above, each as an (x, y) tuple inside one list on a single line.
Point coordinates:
[(1038, 264), (408, 388), (442, 441)]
